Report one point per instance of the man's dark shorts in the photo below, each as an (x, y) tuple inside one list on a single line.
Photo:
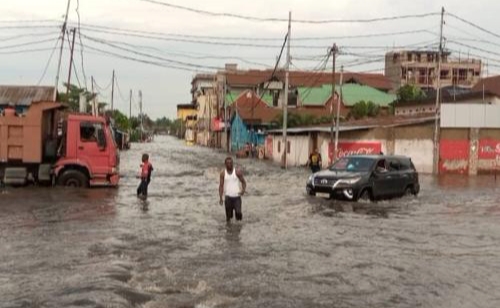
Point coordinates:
[(233, 204)]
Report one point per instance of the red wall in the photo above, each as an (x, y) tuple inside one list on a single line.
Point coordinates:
[(454, 156), (489, 149)]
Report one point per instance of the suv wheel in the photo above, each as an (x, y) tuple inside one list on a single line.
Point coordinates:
[(365, 196), (409, 191)]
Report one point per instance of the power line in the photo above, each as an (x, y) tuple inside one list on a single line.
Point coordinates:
[(16, 37), (158, 64), (28, 27), (475, 48), (185, 54), (29, 21), (253, 18), (148, 55), (81, 42), (49, 61), (27, 44), (473, 24), (240, 38)]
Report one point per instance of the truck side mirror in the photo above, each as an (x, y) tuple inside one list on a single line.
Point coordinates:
[(101, 139)]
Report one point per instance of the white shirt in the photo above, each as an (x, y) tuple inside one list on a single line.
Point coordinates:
[(231, 184)]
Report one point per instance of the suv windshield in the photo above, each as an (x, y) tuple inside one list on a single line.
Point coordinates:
[(353, 164)]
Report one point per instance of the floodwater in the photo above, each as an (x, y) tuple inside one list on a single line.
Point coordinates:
[(105, 248)]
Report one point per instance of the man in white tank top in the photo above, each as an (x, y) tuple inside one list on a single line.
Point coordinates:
[(232, 186)]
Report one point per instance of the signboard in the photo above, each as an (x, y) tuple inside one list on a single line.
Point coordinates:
[(354, 148), (489, 149)]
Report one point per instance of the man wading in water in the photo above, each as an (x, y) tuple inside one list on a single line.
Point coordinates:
[(230, 191)]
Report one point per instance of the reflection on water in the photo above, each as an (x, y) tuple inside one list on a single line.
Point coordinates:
[(106, 248)]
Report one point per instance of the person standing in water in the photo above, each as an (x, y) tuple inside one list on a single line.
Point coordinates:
[(232, 186), (314, 161), (146, 170)]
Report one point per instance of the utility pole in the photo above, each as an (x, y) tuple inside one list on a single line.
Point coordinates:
[(225, 113), (338, 116), (285, 98), (140, 110), (112, 90), (70, 62), (334, 51), (94, 105), (438, 97), (63, 32), (130, 106)]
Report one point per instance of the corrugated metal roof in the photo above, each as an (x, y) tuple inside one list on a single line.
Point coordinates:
[(320, 129), (25, 95), (395, 123)]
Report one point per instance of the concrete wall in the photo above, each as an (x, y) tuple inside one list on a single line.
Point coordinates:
[(299, 149)]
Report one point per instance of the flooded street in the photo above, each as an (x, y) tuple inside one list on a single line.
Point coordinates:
[(105, 248)]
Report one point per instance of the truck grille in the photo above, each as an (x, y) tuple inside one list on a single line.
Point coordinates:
[(324, 181)]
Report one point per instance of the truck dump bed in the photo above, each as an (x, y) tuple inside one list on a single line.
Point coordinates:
[(22, 137)]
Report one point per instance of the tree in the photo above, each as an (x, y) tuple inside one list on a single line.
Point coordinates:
[(372, 110), (408, 93), (121, 120), (359, 110), (72, 99)]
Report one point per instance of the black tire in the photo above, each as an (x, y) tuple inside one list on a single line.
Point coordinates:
[(410, 191), (73, 178), (310, 192), (365, 196)]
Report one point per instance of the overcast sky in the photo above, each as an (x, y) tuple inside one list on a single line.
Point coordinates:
[(24, 52)]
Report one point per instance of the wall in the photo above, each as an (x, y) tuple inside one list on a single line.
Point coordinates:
[(299, 149)]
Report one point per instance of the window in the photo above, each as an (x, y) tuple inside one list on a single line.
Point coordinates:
[(395, 58), (419, 57), (288, 147), (279, 146), (394, 165), (89, 132), (409, 57), (430, 57)]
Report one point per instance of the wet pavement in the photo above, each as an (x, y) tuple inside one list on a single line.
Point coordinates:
[(105, 248)]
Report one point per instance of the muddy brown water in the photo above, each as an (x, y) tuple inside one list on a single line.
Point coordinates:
[(105, 248)]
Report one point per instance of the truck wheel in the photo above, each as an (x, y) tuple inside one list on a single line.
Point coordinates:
[(365, 196), (73, 178)]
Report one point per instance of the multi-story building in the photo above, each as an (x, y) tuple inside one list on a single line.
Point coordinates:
[(419, 68)]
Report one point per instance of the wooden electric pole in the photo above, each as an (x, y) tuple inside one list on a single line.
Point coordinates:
[(63, 32), (112, 90), (285, 98), (435, 165), (70, 63)]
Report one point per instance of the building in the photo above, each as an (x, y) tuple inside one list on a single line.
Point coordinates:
[(428, 105), (187, 114), (489, 84), (419, 68)]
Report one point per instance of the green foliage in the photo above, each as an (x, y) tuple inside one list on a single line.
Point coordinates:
[(359, 110), (72, 99), (408, 93), (372, 110), (298, 119)]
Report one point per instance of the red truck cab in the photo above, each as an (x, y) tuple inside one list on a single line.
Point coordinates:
[(89, 153)]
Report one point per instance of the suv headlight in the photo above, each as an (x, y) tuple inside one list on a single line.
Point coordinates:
[(351, 181), (310, 179)]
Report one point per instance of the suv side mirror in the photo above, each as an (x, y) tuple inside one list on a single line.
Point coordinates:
[(101, 139)]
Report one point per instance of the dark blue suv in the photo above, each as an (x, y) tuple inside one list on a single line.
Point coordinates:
[(366, 177)]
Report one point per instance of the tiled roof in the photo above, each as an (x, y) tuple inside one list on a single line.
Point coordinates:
[(491, 84), (25, 95), (307, 78)]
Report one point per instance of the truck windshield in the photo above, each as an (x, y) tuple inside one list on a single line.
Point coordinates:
[(353, 164), (112, 132)]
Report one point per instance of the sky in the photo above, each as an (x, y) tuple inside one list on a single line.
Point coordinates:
[(170, 56)]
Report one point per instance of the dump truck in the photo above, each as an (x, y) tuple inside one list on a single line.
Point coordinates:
[(47, 145)]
